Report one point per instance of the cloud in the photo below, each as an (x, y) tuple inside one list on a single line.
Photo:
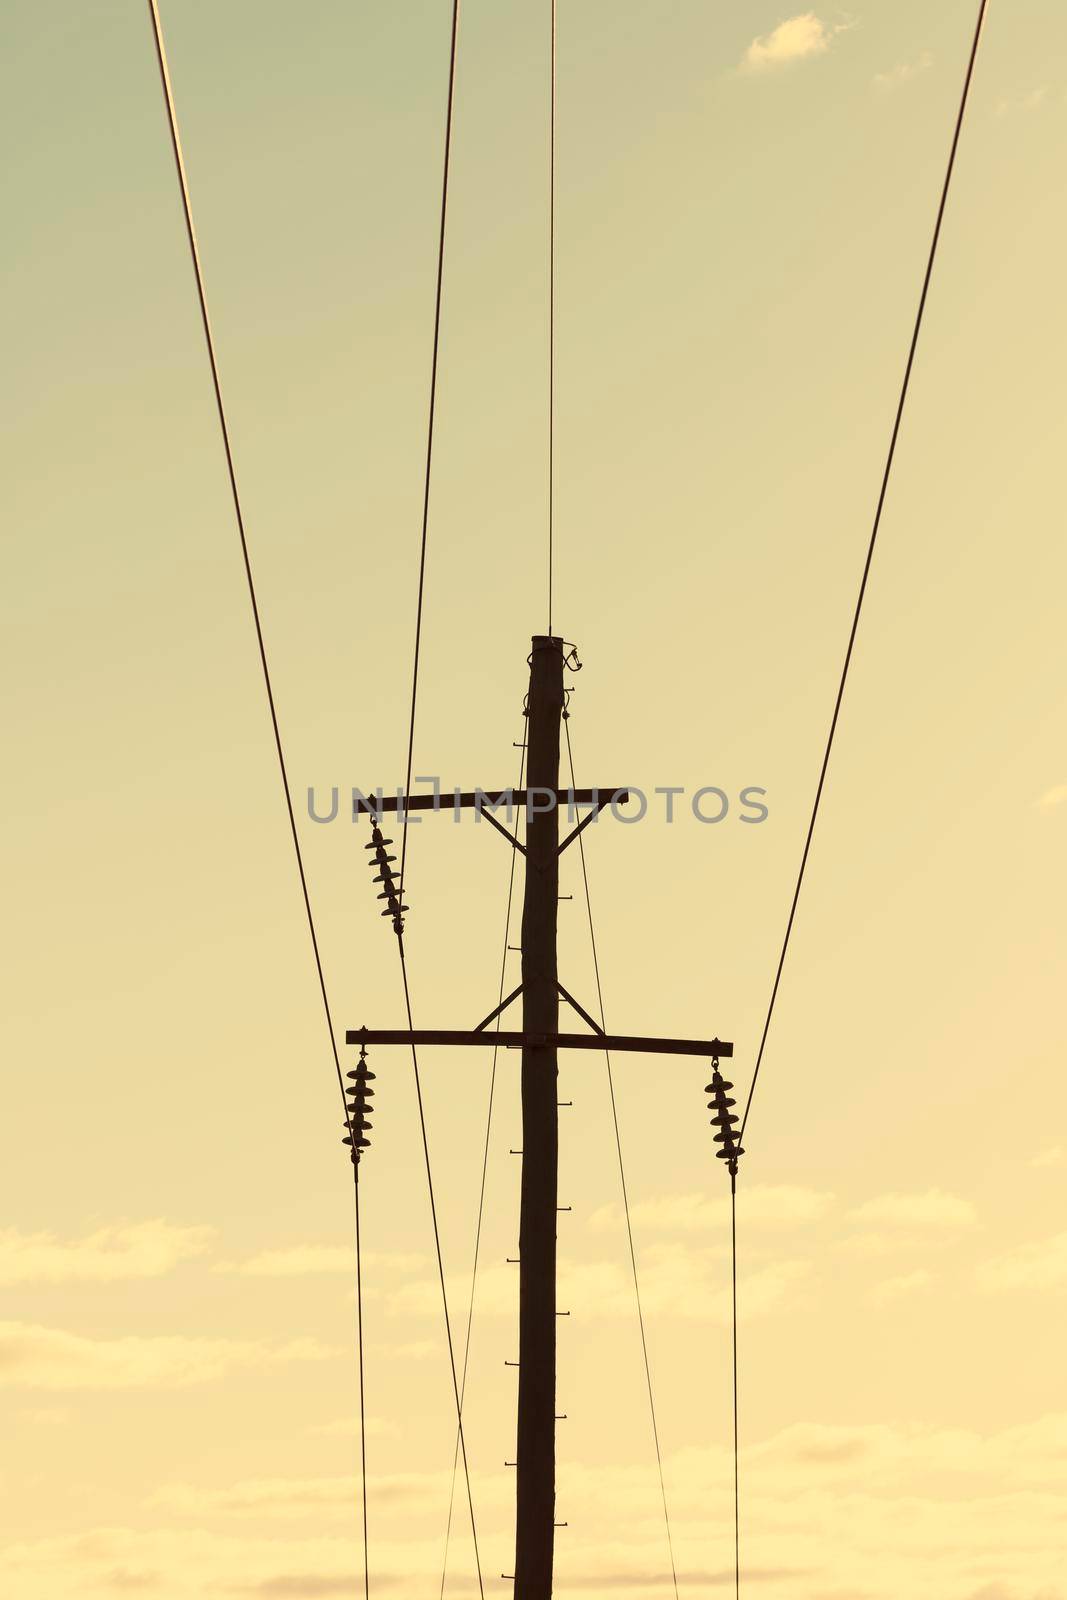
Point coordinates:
[(933, 1209), (882, 1456), (897, 1288), (104, 1562), (1052, 798), (308, 1260), (129, 1580), (302, 1496), (304, 1586), (1053, 1155), (677, 1280), (418, 1349), (123, 1250), (765, 1206), (904, 73), (1042, 1265), (348, 1428), (33, 1357), (793, 40), (862, 1511), (643, 1579), (296, 1261), (1031, 101), (47, 1417)]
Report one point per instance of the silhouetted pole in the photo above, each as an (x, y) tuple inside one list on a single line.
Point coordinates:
[(536, 1454), (539, 1039)]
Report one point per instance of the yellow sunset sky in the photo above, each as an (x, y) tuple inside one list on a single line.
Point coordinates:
[(745, 198)]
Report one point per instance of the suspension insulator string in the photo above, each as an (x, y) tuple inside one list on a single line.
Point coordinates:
[(358, 1106), (724, 1118), (385, 875)]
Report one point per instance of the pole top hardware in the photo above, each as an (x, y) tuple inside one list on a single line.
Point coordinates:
[(544, 1041), (485, 800), (538, 1038)]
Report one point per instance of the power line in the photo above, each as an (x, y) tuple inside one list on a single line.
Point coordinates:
[(622, 1180), (429, 430), (551, 311), (481, 1191), (411, 755), (733, 1299), (362, 1399), (209, 340), (441, 1267), (870, 549)]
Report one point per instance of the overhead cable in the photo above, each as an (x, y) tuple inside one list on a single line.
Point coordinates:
[(883, 489)]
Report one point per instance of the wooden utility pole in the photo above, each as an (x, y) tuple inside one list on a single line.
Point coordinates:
[(539, 1040), (536, 1453)]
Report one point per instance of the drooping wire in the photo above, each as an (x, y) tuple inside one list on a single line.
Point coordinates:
[(430, 429), (737, 1472), (410, 767), (725, 1119), (870, 548), (551, 310), (441, 1267), (362, 1397), (622, 1180), (482, 1187), (209, 340)]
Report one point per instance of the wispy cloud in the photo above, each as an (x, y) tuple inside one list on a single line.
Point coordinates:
[(933, 1209), (34, 1357), (303, 1586), (904, 73), (47, 1417), (796, 39), (846, 1510), (311, 1260), (124, 1250), (1053, 1155), (416, 1350), (899, 1288), (349, 1428), (678, 1279), (1040, 1265), (1023, 1454), (1052, 799), (295, 1496), (766, 1206), (1031, 100)]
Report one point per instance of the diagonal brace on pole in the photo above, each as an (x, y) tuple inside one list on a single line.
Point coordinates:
[(500, 828), (503, 1006), (514, 995), (582, 1012), (599, 803)]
